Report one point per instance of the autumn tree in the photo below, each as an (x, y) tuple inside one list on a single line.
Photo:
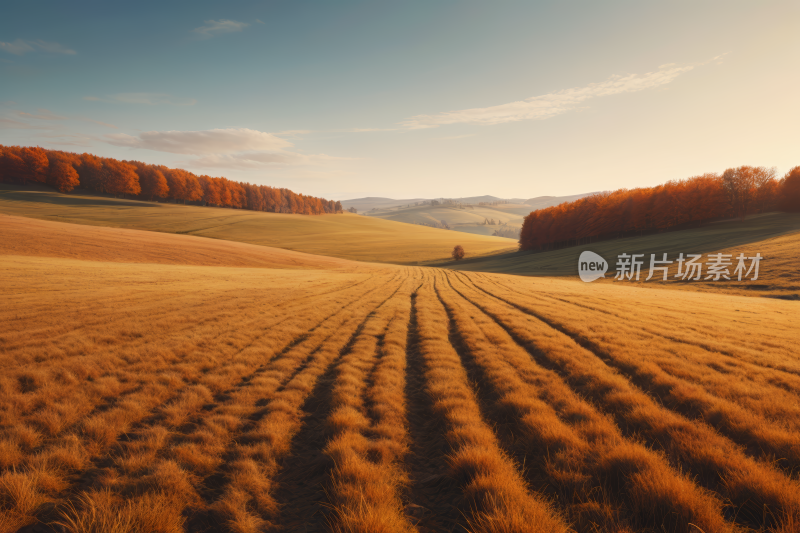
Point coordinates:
[(119, 177), (61, 173), (12, 166), (152, 181), (458, 252), (90, 172), (65, 171), (36, 162), (790, 191), (745, 187)]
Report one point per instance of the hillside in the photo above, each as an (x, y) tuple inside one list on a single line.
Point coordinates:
[(179, 384), (468, 219), (343, 235), (776, 236), (540, 202)]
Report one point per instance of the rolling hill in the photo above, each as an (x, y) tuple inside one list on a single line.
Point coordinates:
[(468, 219), (776, 236), (173, 383), (345, 236), (540, 202), (466, 215)]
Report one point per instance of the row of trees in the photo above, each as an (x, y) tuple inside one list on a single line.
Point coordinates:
[(508, 232), (66, 171), (737, 192)]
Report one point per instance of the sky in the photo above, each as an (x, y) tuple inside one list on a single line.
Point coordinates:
[(428, 98)]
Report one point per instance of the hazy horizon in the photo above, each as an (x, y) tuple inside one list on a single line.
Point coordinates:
[(410, 100)]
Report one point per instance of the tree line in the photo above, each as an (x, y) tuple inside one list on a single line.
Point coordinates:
[(65, 171), (737, 192)]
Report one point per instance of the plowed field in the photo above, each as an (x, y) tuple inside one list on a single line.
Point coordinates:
[(178, 384)]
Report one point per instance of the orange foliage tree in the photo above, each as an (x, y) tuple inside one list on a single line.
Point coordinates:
[(61, 173), (680, 203), (66, 171), (789, 191)]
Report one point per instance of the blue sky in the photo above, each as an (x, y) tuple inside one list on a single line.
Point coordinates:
[(410, 99)]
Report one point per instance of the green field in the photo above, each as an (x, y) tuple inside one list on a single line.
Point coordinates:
[(347, 236)]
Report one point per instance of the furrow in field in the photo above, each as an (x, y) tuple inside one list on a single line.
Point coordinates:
[(74, 407), (72, 333), (496, 498), (772, 392), (186, 402), (65, 399), (366, 425), (759, 494), (605, 482), (433, 495), (755, 422), (694, 322), (249, 497)]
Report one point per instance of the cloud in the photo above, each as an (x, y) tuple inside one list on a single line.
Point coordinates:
[(217, 141), (240, 148), (292, 134), (253, 160), (53, 48), (454, 137), (106, 124), (364, 130), (143, 98), (43, 114), (20, 47), (49, 116), (17, 48), (218, 27), (12, 124), (552, 104)]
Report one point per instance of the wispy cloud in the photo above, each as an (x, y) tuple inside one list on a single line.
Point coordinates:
[(552, 104), (20, 47), (364, 130), (454, 137), (216, 141), (13, 124), (218, 27), (42, 114), (241, 148), (254, 160), (143, 98)]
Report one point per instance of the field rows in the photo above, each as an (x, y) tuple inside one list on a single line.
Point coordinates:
[(389, 399)]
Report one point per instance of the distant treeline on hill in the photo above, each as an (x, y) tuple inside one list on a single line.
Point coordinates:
[(737, 192), (65, 171)]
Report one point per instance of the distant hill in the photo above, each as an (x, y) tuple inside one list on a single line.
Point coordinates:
[(343, 235), (540, 202), (376, 202), (497, 216)]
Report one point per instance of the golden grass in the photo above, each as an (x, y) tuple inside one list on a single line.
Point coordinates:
[(141, 394), (776, 236), (344, 235)]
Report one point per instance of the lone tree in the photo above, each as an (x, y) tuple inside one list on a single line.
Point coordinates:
[(458, 252)]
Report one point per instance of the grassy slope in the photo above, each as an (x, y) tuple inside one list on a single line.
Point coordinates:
[(345, 236), (776, 236), (463, 220)]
